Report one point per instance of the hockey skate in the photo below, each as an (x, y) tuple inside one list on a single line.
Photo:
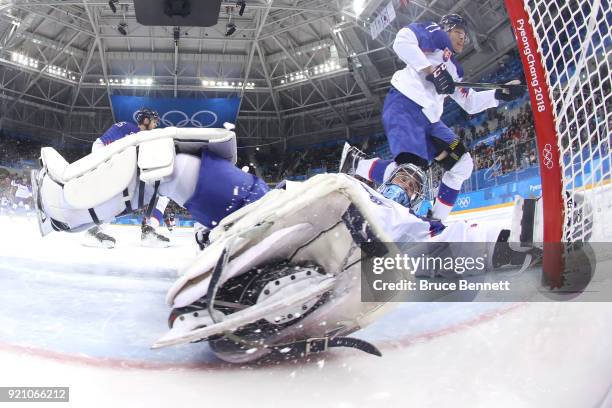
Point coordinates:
[(349, 159), (94, 237), (150, 238)]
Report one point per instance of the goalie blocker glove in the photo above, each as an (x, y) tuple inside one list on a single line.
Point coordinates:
[(442, 80)]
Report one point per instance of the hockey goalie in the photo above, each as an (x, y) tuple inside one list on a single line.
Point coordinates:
[(279, 273)]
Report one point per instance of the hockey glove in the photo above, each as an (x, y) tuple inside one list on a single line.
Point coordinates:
[(510, 92), (442, 80)]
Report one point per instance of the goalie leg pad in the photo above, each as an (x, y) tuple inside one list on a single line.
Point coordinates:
[(156, 160), (527, 224), (54, 205)]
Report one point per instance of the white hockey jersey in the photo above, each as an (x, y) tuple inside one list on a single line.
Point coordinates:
[(421, 45)]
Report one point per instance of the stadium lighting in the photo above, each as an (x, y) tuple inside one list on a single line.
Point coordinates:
[(24, 60), (226, 84), (328, 67), (358, 7), (54, 70), (129, 81)]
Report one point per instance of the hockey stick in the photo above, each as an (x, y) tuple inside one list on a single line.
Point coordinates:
[(477, 85)]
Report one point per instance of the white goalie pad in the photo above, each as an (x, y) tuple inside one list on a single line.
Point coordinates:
[(304, 224), (527, 228), (156, 159), (106, 172), (219, 141), (103, 182)]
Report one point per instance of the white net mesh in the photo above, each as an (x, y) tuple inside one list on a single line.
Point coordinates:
[(576, 46)]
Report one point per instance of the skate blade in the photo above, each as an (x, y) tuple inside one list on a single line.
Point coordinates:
[(98, 244), (154, 243)]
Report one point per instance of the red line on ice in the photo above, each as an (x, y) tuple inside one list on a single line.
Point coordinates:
[(115, 363)]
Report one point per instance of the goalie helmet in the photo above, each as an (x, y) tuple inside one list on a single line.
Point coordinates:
[(406, 186)]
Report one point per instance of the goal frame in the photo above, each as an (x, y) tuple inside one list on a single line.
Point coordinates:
[(546, 139)]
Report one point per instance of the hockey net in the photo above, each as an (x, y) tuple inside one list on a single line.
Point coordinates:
[(565, 47)]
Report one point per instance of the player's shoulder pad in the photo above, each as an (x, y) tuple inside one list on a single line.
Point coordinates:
[(431, 36)]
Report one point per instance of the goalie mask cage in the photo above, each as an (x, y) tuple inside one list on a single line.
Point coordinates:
[(565, 48)]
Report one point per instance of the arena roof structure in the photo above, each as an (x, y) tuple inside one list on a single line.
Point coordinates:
[(306, 70)]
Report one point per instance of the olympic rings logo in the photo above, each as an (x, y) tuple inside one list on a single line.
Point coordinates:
[(203, 118), (547, 156), (463, 202)]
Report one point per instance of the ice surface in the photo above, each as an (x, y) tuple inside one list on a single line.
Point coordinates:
[(85, 318)]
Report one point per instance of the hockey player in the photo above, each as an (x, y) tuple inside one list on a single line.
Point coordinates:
[(275, 270), (292, 249), (146, 119), (209, 186), (23, 194), (414, 105)]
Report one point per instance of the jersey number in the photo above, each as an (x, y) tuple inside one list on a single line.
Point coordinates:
[(433, 28)]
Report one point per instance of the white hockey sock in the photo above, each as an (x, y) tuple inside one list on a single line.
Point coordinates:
[(450, 186), (441, 211)]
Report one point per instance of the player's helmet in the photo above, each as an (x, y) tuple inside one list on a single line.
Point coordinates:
[(450, 21), (405, 185), (145, 113)]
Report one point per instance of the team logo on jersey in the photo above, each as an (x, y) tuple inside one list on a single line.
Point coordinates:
[(447, 54)]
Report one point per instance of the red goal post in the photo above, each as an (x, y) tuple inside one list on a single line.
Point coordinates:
[(564, 48)]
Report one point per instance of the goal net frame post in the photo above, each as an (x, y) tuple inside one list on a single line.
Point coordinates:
[(547, 142)]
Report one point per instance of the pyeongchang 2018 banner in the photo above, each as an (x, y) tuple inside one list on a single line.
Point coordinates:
[(179, 112)]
